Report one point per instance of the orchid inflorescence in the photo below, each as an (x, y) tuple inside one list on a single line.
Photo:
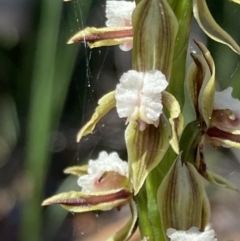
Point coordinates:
[(148, 98)]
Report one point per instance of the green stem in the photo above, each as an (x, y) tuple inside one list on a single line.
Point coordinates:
[(149, 218), (143, 218), (183, 12)]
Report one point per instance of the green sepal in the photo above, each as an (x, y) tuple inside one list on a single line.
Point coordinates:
[(79, 202), (154, 31), (76, 170), (189, 141), (210, 27), (100, 37), (146, 149), (176, 119), (105, 104), (235, 1), (219, 181), (198, 71), (182, 200), (207, 90)]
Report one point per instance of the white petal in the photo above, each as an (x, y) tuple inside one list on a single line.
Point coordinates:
[(126, 46), (119, 13), (139, 96), (96, 168), (193, 234), (127, 93), (224, 100)]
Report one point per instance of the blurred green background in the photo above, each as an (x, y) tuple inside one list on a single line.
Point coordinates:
[(48, 90)]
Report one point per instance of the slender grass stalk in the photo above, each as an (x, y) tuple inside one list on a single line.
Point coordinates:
[(40, 116), (54, 62)]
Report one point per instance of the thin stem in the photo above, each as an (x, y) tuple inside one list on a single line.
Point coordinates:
[(40, 119)]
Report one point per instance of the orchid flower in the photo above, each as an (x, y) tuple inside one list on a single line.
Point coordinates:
[(104, 185), (217, 115), (219, 111), (119, 30)]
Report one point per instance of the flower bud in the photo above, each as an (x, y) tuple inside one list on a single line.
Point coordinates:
[(182, 199), (154, 32)]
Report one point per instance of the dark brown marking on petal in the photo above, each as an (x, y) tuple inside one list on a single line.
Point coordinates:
[(94, 199), (215, 132), (114, 34)]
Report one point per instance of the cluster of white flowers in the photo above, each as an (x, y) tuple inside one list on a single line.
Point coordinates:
[(139, 96), (96, 168), (193, 234)]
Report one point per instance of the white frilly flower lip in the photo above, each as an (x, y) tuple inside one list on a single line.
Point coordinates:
[(224, 100), (138, 96), (119, 14), (96, 168), (192, 234)]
